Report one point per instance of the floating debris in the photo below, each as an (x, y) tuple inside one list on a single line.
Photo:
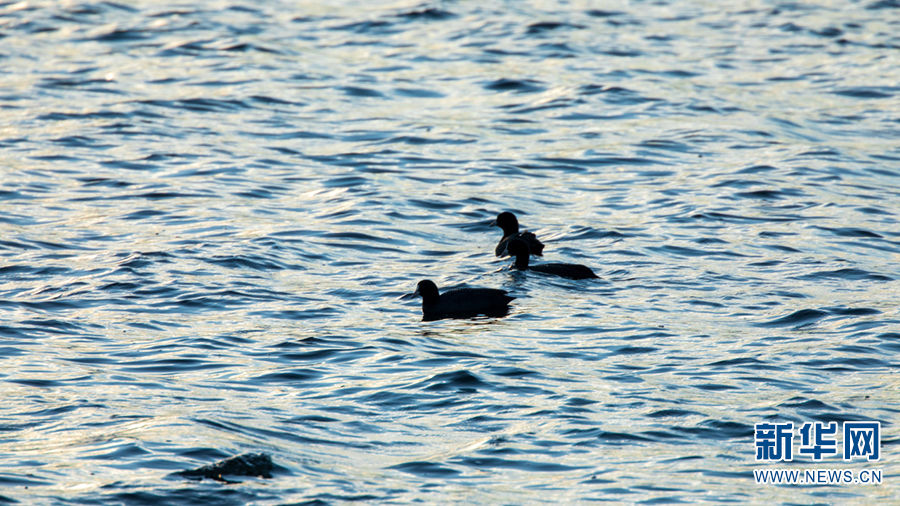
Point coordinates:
[(248, 464)]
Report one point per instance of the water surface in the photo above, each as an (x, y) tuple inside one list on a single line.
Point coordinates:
[(210, 216)]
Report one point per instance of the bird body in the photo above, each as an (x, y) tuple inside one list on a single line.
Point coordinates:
[(461, 302), (571, 271), (519, 249)]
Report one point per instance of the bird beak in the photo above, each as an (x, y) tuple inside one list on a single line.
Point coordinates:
[(494, 223)]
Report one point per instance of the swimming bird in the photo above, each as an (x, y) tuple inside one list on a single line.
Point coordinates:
[(519, 249), (461, 302), (510, 225)]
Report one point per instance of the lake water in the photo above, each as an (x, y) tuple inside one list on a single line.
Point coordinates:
[(212, 214)]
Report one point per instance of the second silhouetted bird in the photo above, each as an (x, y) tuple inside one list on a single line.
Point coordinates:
[(510, 225)]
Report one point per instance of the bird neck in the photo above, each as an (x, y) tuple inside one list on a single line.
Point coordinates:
[(522, 261)]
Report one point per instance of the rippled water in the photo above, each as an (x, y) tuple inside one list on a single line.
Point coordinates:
[(212, 215)]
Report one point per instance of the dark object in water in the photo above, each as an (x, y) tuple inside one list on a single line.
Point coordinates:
[(519, 249), (461, 302), (247, 464), (510, 225)]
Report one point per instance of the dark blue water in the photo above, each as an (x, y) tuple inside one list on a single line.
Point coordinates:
[(211, 216)]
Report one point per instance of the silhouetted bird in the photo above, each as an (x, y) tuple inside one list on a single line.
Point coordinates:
[(461, 302), (519, 249), (510, 225)]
